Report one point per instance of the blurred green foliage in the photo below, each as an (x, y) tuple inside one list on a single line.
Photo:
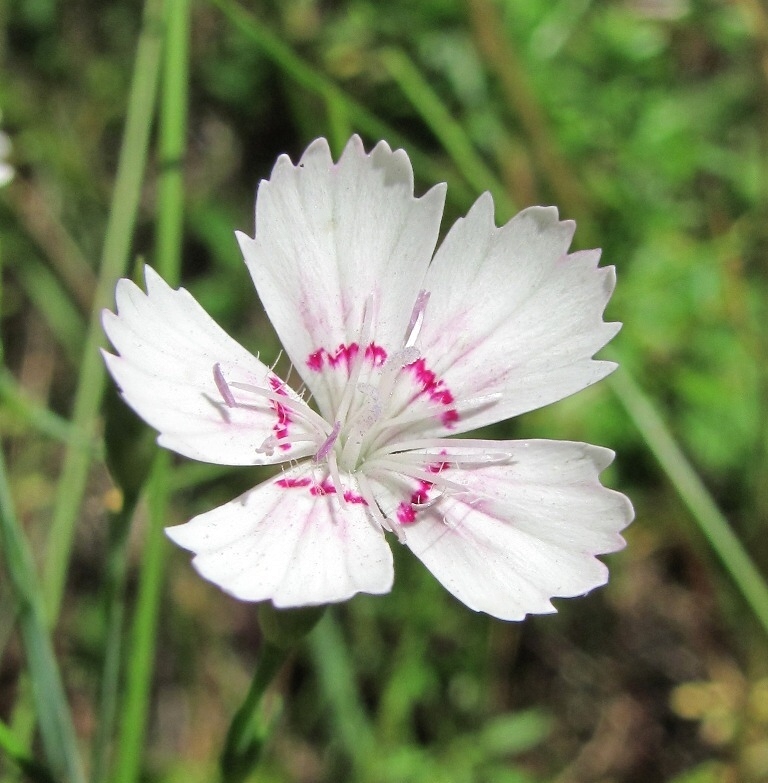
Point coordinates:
[(645, 120)]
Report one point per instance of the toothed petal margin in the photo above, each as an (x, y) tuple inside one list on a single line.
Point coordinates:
[(511, 312), (168, 347), (328, 236), (288, 541), (525, 531)]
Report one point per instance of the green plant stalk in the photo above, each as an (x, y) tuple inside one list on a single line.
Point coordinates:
[(451, 134), (497, 50), (31, 414), (56, 728), (313, 81), (114, 261), (14, 749), (339, 129), (117, 566), (336, 677), (173, 126), (242, 746), (172, 143), (694, 494), (134, 710)]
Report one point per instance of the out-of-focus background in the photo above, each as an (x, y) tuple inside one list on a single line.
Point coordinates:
[(646, 121)]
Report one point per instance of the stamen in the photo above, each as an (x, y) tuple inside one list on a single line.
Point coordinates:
[(365, 338), (272, 442), (223, 386), (333, 469), (325, 449), (414, 450), (360, 425), (373, 507), (417, 319), (427, 503), (389, 466), (298, 407)]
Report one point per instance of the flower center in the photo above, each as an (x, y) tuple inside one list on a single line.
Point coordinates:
[(382, 395)]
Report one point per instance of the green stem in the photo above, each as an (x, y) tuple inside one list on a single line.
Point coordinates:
[(116, 569), (694, 494), (14, 749), (170, 223), (243, 744), (56, 728), (114, 261), (499, 53), (311, 79), (143, 638), (449, 131), (337, 679)]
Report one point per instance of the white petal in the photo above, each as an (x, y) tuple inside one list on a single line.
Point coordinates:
[(168, 347), (512, 314), (289, 540), (333, 239), (521, 533)]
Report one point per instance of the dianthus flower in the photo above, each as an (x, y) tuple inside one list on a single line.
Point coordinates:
[(398, 347)]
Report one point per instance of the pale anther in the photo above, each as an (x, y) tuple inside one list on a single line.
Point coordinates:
[(223, 386), (329, 442), (417, 318)]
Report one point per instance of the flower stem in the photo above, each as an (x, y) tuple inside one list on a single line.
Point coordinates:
[(245, 738)]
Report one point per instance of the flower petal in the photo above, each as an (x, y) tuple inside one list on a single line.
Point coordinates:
[(289, 540), (176, 369), (505, 538), (512, 314), (334, 239)]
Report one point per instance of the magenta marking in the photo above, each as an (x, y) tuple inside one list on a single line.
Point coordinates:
[(280, 428), (223, 386), (436, 389), (325, 487), (375, 354), (406, 513), (345, 356), (290, 483), (438, 467)]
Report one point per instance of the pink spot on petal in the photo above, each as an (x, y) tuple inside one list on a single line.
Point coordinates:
[(290, 483), (375, 354), (315, 360), (280, 428), (344, 356), (325, 487), (406, 514), (435, 389)]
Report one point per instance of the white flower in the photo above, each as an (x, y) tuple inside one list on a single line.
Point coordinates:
[(6, 170), (398, 350)]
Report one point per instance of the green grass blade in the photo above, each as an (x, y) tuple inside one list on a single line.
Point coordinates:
[(55, 721), (361, 118), (694, 494), (449, 131), (14, 749), (114, 261), (28, 413), (134, 710), (173, 126), (336, 676)]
